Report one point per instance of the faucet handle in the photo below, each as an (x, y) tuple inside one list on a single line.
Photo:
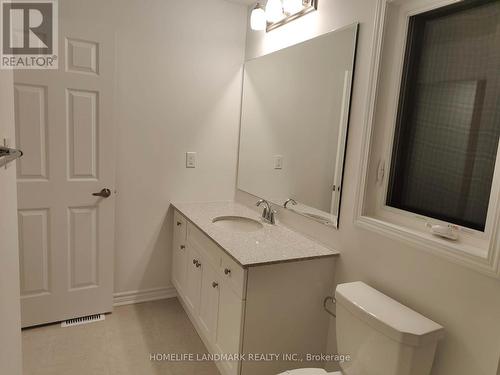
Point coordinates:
[(265, 213), (261, 201), (267, 207), (292, 201), (271, 217), (268, 213)]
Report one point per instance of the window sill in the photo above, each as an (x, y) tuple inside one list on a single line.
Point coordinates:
[(483, 260), (389, 40)]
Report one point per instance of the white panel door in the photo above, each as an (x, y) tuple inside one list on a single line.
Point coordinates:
[(10, 327), (64, 124)]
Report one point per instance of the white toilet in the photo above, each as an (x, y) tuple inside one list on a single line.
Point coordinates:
[(381, 336)]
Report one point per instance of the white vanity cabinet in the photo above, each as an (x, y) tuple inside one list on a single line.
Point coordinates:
[(210, 286), (275, 308)]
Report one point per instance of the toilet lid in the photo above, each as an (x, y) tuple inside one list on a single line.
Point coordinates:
[(310, 371)]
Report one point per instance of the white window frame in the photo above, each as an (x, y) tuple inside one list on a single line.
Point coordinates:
[(476, 249)]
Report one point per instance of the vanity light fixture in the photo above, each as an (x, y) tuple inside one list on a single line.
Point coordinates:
[(293, 6), (258, 21), (279, 12), (274, 11)]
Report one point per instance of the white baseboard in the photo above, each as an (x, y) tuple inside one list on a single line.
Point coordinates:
[(138, 296)]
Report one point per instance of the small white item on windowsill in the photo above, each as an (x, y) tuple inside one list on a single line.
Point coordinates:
[(449, 231)]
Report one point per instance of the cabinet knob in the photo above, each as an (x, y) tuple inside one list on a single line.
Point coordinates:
[(183, 247), (179, 223), (195, 261), (227, 271), (215, 285), (198, 264)]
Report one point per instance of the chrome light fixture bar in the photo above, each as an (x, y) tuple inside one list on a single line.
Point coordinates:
[(277, 13), (292, 12)]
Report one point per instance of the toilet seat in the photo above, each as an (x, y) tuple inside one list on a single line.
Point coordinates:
[(310, 371)]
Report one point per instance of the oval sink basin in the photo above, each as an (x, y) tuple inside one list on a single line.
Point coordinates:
[(237, 223)]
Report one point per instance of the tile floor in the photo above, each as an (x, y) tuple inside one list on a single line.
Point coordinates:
[(120, 345)]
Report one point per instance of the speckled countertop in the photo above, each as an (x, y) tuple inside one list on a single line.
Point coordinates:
[(271, 244)]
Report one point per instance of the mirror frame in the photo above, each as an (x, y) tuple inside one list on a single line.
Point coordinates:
[(340, 163)]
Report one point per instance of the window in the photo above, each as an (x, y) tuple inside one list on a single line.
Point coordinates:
[(431, 165), (448, 120)]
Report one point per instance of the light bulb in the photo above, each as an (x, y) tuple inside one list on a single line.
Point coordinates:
[(292, 6), (258, 18), (274, 11)]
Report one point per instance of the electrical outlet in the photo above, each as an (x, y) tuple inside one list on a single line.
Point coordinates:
[(190, 159), (278, 161)]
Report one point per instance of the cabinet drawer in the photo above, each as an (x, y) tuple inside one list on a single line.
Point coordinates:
[(210, 250), (234, 274)]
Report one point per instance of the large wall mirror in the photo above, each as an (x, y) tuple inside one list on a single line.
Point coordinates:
[(295, 116)]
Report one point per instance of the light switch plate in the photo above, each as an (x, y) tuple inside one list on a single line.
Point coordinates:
[(190, 159), (278, 161)]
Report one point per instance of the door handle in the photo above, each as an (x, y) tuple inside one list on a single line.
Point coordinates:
[(8, 154), (104, 193)]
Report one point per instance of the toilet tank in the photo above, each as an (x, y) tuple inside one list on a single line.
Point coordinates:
[(382, 336)]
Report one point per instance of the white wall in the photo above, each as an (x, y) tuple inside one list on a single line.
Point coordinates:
[(10, 310), (464, 301), (178, 80)]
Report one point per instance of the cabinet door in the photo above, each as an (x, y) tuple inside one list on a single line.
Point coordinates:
[(179, 256), (209, 302), (230, 319), (193, 280)]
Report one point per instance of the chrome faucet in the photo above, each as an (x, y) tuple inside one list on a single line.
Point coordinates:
[(268, 214)]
